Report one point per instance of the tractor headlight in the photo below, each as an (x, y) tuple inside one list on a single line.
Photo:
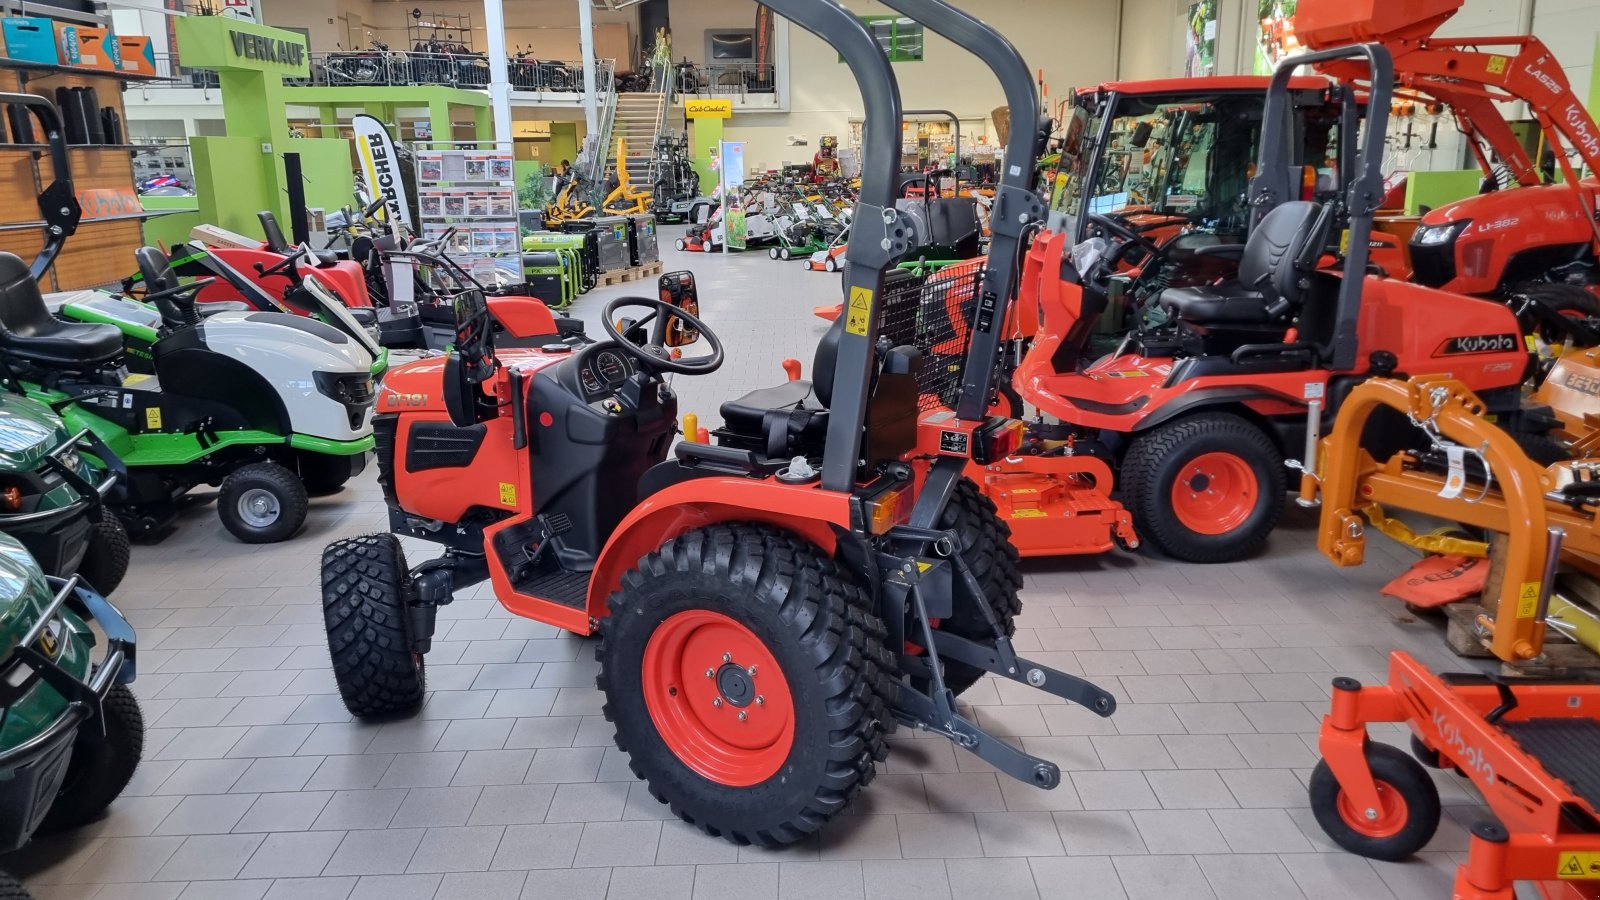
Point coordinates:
[(1434, 235)]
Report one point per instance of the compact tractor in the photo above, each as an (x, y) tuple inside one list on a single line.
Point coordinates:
[(769, 606)]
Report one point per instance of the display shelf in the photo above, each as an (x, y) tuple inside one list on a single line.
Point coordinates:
[(24, 66), (120, 217)]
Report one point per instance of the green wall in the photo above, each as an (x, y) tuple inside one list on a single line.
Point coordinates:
[(1435, 189), (563, 142), (232, 183), (704, 135)]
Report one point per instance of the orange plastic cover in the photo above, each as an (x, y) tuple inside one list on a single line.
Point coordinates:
[(1438, 580), (1319, 24)]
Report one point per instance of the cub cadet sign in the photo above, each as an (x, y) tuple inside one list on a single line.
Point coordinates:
[(266, 49), (708, 109)]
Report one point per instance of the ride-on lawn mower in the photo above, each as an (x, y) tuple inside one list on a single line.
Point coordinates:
[(72, 732), (769, 606)]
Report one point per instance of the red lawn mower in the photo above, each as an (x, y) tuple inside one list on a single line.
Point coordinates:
[(769, 606)]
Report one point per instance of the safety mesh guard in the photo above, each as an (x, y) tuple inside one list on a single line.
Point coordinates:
[(933, 313)]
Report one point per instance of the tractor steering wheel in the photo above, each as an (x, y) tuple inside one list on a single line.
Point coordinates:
[(1130, 238), (653, 354)]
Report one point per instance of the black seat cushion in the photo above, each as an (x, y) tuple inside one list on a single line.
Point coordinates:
[(364, 315), (747, 415), (29, 332), (1224, 304)]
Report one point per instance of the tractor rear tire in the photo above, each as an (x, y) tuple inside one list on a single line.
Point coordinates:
[(748, 681), (100, 767), (263, 503), (12, 889), (1208, 488), (1566, 299), (365, 583), (105, 562), (985, 546)]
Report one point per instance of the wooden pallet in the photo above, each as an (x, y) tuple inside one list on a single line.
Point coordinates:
[(1561, 655), (632, 273)]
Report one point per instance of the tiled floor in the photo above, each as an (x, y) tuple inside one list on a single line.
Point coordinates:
[(256, 783)]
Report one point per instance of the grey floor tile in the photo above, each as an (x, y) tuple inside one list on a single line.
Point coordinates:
[(205, 857), (1162, 878), (537, 847), (991, 878), (480, 767), (292, 855), (554, 765), (939, 836), (908, 879), (1179, 831), (520, 804), (865, 837), (1077, 876), (566, 884), (682, 844), (347, 810), (651, 883), (226, 890), (461, 849), (1019, 834), (752, 881), (124, 860), (422, 769), (482, 885), (277, 774), (618, 844), (1114, 790), (1249, 877), (820, 881), (1335, 876), (1098, 833), (385, 852), (1260, 831), (1190, 789), (396, 887), (206, 814), (312, 888)]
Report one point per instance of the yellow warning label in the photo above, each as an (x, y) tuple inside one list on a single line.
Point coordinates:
[(1130, 373), (923, 566), (1532, 342), (1496, 65), (1028, 514), (133, 378), (1578, 865), (860, 311), (152, 418), (508, 493), (1528, 600)]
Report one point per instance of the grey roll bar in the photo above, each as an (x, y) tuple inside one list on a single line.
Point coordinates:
[(58, 202), (1276, 179)]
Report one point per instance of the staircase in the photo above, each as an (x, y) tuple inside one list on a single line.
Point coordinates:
[(639, 118)]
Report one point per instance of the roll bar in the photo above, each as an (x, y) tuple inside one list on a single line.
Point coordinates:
[(58, 202), (1016, 206), (1276, 179)]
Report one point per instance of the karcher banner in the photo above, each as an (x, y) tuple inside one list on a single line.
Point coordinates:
[(381, 167)]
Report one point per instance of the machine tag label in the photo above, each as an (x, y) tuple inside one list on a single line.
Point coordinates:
[(1313, 390), (1579, 865), (508, 493), (1528, 600), (860, 310), (1496, 65), (1029, 514), (1478, 343), (152, 418), (1456, 479), (953, 442)]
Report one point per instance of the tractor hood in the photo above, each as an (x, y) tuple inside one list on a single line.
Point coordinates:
[(23, 592), (28, 430)]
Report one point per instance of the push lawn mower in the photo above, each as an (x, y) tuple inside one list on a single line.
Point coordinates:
[(73, 732), (771, 605), (50, 495)]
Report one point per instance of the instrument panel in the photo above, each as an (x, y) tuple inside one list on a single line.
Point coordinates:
[(604, 372)]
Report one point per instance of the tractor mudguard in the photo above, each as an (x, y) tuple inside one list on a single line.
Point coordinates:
[(806, 510)]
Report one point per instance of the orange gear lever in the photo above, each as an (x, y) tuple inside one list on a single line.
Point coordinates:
[(792, 366)]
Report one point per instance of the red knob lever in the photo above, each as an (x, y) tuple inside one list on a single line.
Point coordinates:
[(792, 366)]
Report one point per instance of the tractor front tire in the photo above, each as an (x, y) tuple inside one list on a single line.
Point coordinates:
[(105, 562), (100, 766), (365, 583), (12, 889), (1207, 488), (985, 546), (748, 681), (263, 503)]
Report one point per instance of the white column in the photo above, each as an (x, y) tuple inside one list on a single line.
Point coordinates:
[(494, 24), (591, 111)]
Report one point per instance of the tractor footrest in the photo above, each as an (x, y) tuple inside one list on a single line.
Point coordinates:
[(1569, 749), (570, 589)]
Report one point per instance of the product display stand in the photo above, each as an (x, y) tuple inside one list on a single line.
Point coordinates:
[(469, 191)]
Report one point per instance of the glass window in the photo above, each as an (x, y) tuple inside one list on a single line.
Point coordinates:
[(900, 37)]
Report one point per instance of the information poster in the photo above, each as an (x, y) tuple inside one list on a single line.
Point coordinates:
[(1200, 39), (470, 195), (1275, 40)]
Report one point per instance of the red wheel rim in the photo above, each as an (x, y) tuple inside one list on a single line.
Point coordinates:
[(718, 698), (1214, 493), (1391, 817)]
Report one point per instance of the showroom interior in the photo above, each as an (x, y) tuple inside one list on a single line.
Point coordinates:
[(698, 450)]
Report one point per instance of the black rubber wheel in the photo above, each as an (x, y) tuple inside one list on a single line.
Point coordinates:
[(365, 582), (262, 503), (100, 767), (682, 245), (323, 474), (985, 546), (830, 263), (765, 595), (105, 562), (1206, 488), (1406, 823), (1425, 754), (1567, 299), (784, 254), (772, 253), (12, 889)]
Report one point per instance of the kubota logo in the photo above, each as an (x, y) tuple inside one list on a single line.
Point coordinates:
[(1468, 756), (1478, 343)]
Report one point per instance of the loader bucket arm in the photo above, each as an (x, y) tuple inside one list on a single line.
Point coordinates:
[(1351, 480)]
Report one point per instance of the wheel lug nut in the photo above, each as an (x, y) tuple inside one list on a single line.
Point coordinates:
[(711, 673), (751, 671), (760, 700), (727, 657), (742, 715), (716, 701)]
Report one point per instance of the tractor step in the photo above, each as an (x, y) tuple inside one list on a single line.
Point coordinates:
[(569, 589)]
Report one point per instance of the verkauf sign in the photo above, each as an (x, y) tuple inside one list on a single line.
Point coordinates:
[(228, 44), (708, 109)]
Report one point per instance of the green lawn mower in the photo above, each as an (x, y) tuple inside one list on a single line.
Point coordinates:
[(50, 495), (71, 732), (266, 406)]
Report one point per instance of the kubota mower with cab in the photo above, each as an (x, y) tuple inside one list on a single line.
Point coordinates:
[(767, 613)]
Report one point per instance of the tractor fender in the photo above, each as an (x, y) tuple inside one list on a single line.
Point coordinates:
[(806, 510), (1195, 401)]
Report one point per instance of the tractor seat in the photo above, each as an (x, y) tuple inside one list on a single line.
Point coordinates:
[(213, 307), (29, 332), (791, 417), (1272, 268)]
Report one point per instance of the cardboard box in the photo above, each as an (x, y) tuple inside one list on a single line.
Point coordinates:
[(137, 56), (66, 43), (217, 236), (31, 39), (97, 49)]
